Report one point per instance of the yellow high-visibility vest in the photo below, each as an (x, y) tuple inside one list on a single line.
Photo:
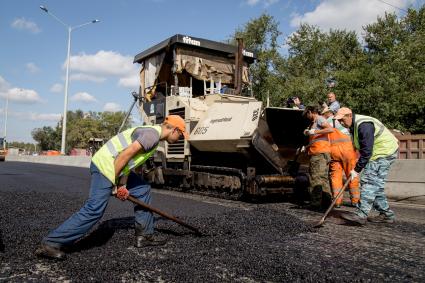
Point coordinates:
[(104, 158), (385, 142)]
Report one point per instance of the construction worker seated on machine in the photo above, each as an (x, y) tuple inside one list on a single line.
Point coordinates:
[(343, 159), (111, 167), (319, 150)]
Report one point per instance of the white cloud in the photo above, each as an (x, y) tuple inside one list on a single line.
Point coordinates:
[(4, 85), (56, 88), (32, 68), (266, 3), (350, 15), (18, 95), (103, 64), (130, 82), (23, 24), (33, 116), (86, 77), (252, 2), (45, 117), (270, 2), (21, 95), (112, 107), (84, 97)]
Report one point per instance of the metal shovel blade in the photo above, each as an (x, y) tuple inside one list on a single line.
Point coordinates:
[(322, 220)]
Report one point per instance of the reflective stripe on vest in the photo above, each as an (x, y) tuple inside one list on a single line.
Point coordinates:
[(385, 143), (105, 157), (335, 141), (375, 123), (124, 144), (319, 144), (312, 141), (337, 136)]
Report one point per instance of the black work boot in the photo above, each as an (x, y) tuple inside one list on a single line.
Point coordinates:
[(353, 218), (145, 240), (381, 218), (149, 240), (50, 252)]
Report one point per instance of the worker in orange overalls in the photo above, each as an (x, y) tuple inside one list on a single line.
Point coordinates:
[(343, 159), (319, 152)]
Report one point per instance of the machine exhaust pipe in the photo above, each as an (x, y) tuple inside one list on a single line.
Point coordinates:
[(238, 67)]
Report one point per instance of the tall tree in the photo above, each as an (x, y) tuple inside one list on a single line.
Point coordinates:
[(260, 35), (111, 122), (80, 128), (398, 80), (46, 138), (315, 57)]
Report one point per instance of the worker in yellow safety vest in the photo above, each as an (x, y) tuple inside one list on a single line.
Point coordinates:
[(111, 167), (378, 149)]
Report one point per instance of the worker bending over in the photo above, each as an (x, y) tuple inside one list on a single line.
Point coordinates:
[(319, 151), (112, 167), (378, 150), (343, 159)]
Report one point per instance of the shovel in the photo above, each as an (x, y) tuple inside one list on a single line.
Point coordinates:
[(163, 214), (320, 223)]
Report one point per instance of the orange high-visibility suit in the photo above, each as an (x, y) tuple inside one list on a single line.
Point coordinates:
[(343, 160)]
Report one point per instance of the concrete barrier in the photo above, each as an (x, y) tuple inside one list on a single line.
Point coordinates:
[(77, 161), (406, 180)]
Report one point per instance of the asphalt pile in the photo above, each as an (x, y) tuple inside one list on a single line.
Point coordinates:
[(238, 245)]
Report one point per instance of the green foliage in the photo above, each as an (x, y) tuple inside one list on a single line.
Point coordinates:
[(384, 79), (111, 122), (394, 48), (314, 57), (47, 138), (80, 128), (260, 35)]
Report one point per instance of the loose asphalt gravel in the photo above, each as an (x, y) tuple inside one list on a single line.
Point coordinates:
[(271, 242)]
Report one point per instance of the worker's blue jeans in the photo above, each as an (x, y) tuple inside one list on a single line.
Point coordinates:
[(372, 183), (82, 221)]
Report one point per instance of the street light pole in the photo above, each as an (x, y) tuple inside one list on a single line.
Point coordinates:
[(5, 121), (65, 104)]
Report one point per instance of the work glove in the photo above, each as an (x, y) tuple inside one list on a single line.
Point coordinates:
[(308, 132), (353, 174), (122, 193)]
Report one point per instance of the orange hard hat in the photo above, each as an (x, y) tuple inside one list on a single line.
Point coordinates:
[(178, 122)]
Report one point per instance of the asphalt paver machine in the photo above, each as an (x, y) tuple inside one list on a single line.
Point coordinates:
[(237, 146)]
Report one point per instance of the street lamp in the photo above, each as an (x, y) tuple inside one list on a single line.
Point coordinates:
[(5, 121), (65, 105)]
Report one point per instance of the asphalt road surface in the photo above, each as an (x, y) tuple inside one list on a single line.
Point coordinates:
[(244, 242)]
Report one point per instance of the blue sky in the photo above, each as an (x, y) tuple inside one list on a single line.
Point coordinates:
[(102, 76)]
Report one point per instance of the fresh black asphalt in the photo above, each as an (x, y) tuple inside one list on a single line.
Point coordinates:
[(271, 242)]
